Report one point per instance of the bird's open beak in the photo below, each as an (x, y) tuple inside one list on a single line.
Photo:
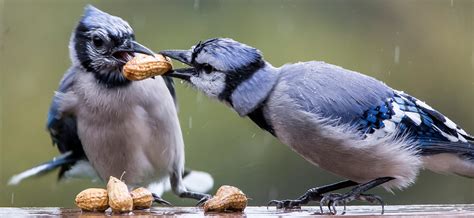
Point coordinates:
[(183, 56), (138, 48), (126, 53)]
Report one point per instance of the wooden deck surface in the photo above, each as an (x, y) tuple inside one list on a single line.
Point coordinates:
[(459, 210)]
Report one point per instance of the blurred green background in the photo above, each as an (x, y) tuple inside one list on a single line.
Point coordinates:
[(422, 47)]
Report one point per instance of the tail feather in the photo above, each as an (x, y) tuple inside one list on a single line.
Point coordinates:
[(41, 169), (196, 181)]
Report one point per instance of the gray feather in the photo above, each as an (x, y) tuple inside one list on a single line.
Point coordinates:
[(332, 91)]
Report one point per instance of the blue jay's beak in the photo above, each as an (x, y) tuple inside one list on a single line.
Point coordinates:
[(138, 48), (183, 56), (125, 53), (182, 73)]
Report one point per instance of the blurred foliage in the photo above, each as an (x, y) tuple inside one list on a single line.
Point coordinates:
[(422, 47)]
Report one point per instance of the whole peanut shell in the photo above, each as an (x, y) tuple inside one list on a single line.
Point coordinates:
[(145, 66), (142, 198), (227, 198), (120, 199), (92, 199)]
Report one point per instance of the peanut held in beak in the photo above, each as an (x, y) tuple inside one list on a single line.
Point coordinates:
[(120, 199), (93, 199), (145, 66)]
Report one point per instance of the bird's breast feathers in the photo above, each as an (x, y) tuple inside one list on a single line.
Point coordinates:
[(149, 93)]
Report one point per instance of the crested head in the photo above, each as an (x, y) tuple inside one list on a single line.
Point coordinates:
[(219, 65), (102, 44), (228, 70), (227, 55)]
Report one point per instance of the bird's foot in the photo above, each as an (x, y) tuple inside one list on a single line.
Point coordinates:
[(334, 199), (160, 200), (313, 194), (201, 197), (203, 200), (286, 204), (357, 193)]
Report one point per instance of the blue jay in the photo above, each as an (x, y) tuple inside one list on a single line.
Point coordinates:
[(104, 124), (342, 121)]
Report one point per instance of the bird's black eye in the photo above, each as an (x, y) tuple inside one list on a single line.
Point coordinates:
[(207, 68), (98, 42)]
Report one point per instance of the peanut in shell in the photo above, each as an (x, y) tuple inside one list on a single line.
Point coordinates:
[(92, 199), (227, 198), (120, 199), (145, 66), (142, 198)]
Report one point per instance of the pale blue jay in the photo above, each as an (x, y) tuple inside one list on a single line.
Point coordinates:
[(342, 121), (105, 125)]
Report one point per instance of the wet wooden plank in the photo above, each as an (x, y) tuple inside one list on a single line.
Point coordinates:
[(458, 210)]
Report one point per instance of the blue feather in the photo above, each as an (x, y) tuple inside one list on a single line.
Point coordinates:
[(432, 134)]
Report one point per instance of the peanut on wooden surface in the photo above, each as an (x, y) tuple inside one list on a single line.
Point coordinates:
[(227, 198), (145, 66), (142, 198), (120, 199), (93, 199)]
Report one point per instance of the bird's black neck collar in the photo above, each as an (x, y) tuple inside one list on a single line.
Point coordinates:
[(112, 79), (252, 91), (258, 117), (234, 79)]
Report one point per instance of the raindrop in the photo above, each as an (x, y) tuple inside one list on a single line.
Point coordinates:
[(13, 198), (396, 57), (190, 122), (472, 59), (196, 4)]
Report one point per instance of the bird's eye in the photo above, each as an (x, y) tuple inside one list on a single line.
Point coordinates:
[(98, 42), (207, 68)]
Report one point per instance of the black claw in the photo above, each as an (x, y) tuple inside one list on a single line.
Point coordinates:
[(285, 204), (344, 210), (203, 200), (278, 204), (201, 197), (160, 200), (332, 206), (381, 203)]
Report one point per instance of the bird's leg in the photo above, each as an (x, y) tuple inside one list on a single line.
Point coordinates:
[(313, 194), (176, 181), (160, 200), (201, 197), (357, 193)]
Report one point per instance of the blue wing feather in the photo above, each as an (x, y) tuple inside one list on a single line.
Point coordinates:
[(426, 126), (62, 128)]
